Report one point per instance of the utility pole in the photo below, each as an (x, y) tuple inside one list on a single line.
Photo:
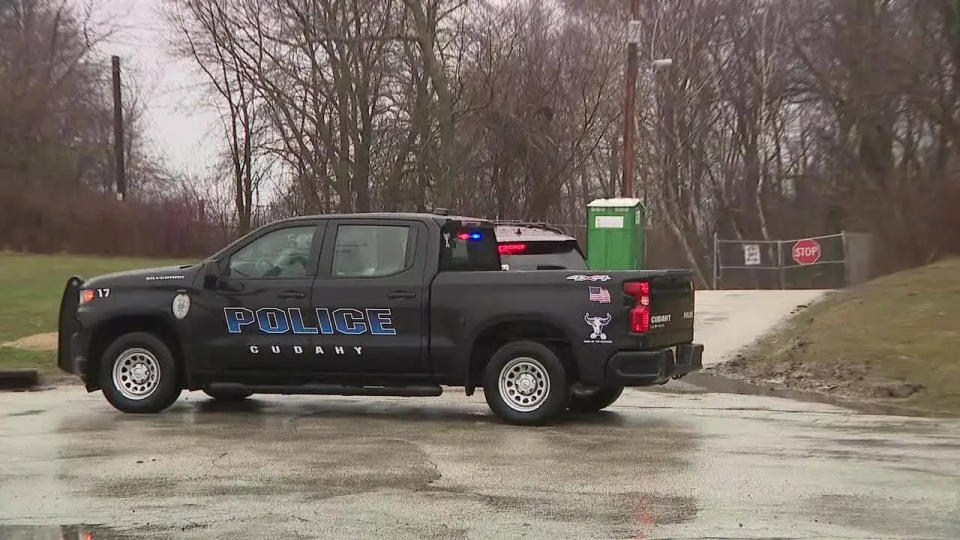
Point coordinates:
[(118, 132), (633, 37)]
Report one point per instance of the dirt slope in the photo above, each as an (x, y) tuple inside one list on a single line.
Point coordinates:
[(895, 339)]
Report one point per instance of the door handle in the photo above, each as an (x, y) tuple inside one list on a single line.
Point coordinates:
[(401, 295), (291, 294)]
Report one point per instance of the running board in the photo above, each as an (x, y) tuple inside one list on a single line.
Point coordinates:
[(327, 389)]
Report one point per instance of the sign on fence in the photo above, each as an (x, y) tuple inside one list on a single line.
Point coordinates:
[(751, 254), (822, 262), (806, 251)]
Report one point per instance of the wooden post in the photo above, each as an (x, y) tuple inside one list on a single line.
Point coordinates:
[(118, 132)]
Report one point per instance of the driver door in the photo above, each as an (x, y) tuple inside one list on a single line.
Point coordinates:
[(259, 315)]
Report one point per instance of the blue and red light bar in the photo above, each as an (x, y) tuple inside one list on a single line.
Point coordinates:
[(472, 236)]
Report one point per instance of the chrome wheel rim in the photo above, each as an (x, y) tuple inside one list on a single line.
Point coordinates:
[(524, 384), (136, 374)]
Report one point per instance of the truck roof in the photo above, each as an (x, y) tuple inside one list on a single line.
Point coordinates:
[(419, 216), (439, 219)]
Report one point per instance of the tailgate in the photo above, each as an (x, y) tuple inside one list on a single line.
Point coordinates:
[(671, 302), (68, 323), (671, 309)]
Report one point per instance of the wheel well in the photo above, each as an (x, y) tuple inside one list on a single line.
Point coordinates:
[(110, 330), (499, 334)]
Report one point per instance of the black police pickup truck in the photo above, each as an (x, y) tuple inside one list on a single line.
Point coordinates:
[(377, 304)]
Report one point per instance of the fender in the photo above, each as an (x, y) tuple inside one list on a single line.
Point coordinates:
[(152, 307), (462, 362)]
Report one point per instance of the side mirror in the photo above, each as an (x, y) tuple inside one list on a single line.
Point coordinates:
[(215, 270)]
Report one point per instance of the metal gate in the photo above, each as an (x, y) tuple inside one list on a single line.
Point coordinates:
[(819, 262)]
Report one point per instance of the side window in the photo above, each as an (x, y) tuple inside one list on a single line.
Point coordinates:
[(283, 253), (371, 250), (464, 250)]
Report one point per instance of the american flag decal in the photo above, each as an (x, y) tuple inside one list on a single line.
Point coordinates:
[(599, 294)]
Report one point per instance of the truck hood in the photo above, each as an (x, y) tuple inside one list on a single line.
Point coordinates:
[(165, 275)]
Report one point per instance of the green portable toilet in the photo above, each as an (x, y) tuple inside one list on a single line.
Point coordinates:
[(616, 234)]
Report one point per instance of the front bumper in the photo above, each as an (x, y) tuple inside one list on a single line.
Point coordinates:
[(72, 341), (645, 368), (73, 359)]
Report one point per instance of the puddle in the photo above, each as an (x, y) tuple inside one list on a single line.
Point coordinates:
[(31, 412), (58, 532)]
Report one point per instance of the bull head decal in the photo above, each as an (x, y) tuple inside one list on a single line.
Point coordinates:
[(597, 325)]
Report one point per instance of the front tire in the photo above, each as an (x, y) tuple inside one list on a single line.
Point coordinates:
[(525, 383), (593, 400), (138, 374)]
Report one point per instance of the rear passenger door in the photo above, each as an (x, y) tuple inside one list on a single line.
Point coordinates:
[(370, 299)]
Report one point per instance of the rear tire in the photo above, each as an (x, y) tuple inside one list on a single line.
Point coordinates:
[(227, 396), (595, 399), (525, 383), (138, 374)]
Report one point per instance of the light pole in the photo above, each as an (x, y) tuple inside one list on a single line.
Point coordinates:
[(629, 107), (633, 38)]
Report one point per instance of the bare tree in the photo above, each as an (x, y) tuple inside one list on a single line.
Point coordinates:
[(777, 119), (206, 36)]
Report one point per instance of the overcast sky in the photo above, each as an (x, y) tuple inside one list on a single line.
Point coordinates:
[(180, 124)]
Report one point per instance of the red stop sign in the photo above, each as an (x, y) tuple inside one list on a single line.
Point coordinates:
[(806, 251)]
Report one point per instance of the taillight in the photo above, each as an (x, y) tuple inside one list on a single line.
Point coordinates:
[(639, 290), (512, 249), (87, 295), (639, 320), (640, 314)]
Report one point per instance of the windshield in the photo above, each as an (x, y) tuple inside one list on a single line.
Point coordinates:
[(562, 255)]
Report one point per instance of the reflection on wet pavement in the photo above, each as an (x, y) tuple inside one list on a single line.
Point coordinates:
[(57, 532), (655, 464)]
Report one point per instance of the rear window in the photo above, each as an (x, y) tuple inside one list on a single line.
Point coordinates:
[(468, 249), (540, 255)]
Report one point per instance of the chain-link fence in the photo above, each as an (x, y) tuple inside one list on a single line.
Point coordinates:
[(822, 262)]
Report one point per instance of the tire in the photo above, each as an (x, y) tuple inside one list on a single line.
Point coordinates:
[(227, 396), (545, 393), (138, 374), (595, 399)]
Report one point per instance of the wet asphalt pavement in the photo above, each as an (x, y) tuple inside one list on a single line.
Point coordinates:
[(656, 464)]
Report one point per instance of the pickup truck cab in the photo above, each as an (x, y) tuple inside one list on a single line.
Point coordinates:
[(377, 304)]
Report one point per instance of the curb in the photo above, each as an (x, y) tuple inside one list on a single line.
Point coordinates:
[(18, 379)]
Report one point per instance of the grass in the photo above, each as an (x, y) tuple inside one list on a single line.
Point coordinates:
[(30, 291), (43, 361), (901, 329)]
